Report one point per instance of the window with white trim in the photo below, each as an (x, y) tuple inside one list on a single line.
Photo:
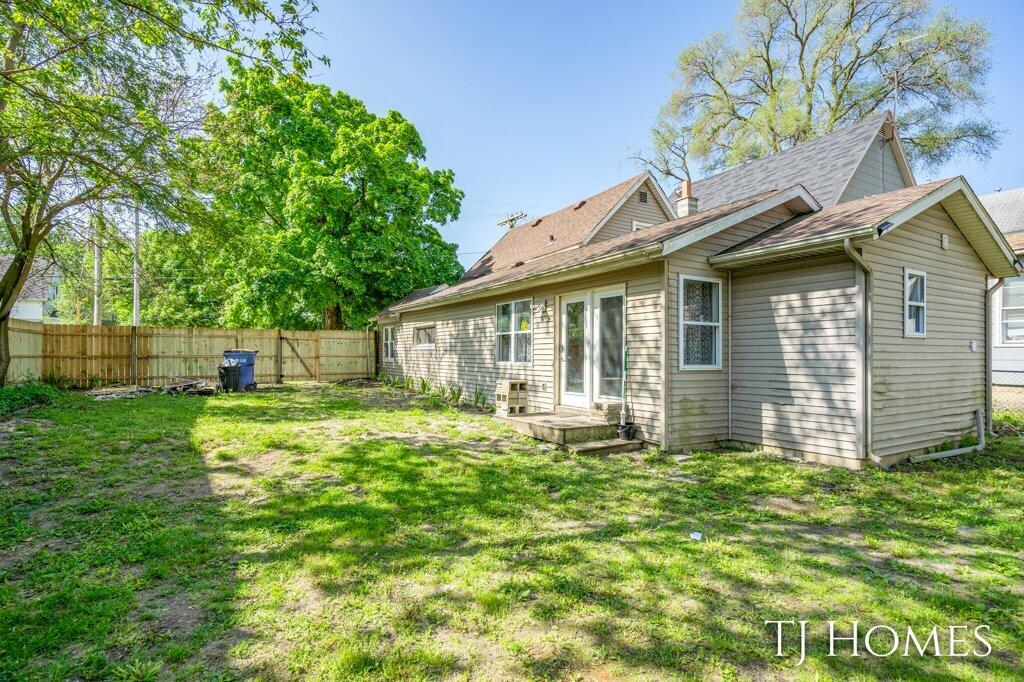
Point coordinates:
[(513, 341), (423, 337), (700, 322), (389, 344), (915, 293), (1012, 321), (638, 225)]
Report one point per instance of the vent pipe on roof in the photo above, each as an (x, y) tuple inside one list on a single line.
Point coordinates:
[(686, 203)]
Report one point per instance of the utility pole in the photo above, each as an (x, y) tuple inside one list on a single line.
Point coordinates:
[(97, 271), (511, 221), (896, 73), (136, 275)]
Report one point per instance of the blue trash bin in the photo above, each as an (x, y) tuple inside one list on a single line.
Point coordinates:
[(246, 360)]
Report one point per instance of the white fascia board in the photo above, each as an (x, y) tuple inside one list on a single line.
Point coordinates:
[(725, 222), (727, 259), (958, 184)]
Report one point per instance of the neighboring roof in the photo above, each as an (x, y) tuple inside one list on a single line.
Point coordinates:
[(1016, 241), (414, 295), (640, 242), (1007, 209), (875, 216), (565, 228), (40, 279), (824, 166)]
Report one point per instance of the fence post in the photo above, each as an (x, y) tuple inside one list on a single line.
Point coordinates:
[(280, 358), (135, 355)]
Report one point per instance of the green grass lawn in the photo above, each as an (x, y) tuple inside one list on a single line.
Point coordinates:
[(331, 532)]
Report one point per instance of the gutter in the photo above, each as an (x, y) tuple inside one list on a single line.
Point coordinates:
[(866, 395), (794, 249), (640, 254)]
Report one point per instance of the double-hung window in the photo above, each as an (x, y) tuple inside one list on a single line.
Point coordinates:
[(389, 344), (1013, 310), (915, 292), (700, 322), (514, 325)]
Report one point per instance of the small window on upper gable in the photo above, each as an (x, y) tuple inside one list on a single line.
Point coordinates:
[(642, 196)]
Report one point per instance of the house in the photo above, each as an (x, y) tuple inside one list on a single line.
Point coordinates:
[(35, 302), (1007, 210), (818, 302)]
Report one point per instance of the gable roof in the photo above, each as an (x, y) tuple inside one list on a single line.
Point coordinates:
[(824, 166), (659, 195), (1007, 209), (647, 243), (564, 228), (40, 278), (873, 217)]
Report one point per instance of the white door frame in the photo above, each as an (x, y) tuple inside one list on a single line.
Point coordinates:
[(596, 295), (581, 400), (592, 345)]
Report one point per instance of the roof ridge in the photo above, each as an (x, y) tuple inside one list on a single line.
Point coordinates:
[(801, 146)]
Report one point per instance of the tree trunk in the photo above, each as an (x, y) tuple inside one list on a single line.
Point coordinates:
[(332, 316), (5, 350)]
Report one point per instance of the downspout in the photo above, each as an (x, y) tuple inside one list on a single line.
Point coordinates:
[(728, 315), (867, 395), (989, 341)]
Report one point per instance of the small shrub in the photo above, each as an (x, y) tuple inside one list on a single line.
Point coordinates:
[(480, 398), (14, 398), (455, 394), (407, 383), (425, 385)]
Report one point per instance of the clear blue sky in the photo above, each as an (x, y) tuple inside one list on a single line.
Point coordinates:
[(536, 104)]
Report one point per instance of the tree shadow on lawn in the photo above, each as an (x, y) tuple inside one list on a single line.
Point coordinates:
[(116, 561), (388, 557), (634, 594)]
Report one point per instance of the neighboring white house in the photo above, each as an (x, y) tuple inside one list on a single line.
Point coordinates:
[(1007, 210), (36, 299)]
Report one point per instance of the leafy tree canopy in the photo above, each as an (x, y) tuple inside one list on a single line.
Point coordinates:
[(792, 70), (94, 95), (321, 212)]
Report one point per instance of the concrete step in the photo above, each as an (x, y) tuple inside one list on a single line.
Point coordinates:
[(604, 447)]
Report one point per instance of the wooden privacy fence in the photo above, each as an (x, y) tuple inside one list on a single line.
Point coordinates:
[(86, 355)]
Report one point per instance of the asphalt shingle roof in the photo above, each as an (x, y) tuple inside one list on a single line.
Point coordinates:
[(838, 219), (824, 166), (562, 229), (1007, 209), (40, 278), (593, 251)]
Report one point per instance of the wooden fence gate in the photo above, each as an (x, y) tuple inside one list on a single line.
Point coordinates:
[(87, 355)]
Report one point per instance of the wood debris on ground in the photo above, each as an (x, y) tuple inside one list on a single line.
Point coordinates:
[(186, 387)]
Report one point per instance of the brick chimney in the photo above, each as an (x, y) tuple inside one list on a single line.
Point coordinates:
[(686, 203)]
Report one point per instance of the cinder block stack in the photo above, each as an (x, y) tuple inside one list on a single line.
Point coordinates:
[(510, 398)]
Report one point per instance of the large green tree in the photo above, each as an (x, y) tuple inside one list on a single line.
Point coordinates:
[(321, 212), (94, 95), (791, 70)]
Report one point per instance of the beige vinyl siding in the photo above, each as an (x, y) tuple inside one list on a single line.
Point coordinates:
[(795, 362), (463, 353), (925, 390), (697, 412), (621, 221), (876, 174)]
